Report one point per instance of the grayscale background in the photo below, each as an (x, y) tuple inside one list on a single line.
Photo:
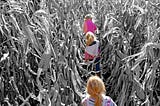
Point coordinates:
[(42, 46)]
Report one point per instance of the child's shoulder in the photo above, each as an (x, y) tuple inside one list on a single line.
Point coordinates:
[(84, 101), (108, 100)]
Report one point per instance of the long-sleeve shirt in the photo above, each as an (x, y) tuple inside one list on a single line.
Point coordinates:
[(107, 101), (92, 50), (89, 26)]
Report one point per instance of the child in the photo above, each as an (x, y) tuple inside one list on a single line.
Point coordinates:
[(89, 25), (96, 93), (92, 49)]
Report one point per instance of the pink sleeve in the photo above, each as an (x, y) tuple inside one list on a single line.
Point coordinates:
[(95, 27), (88, 56)]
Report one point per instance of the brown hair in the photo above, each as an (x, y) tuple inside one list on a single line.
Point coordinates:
[(95, 88), (89, 38)]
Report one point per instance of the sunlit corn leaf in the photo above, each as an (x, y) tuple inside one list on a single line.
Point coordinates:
[(146, 102), (146, 66), (2, 20), (13, 20), (76, 88), (139, 20), (150, 76), (4, 56), (139, 8), (41, 95)]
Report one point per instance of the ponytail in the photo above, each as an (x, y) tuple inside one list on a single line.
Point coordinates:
[(89, 38), (98, 100)]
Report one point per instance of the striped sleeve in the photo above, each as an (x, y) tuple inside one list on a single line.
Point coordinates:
[(84, 102), (109, 102), (113, 103)]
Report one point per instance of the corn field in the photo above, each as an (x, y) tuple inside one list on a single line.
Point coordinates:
[(42, 44)]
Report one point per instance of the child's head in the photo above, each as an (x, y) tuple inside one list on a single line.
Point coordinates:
[(95, 88), (89, 38), (88, 16)]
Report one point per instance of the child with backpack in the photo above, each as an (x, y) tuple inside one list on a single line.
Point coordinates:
[(96, 93), (92, 51)]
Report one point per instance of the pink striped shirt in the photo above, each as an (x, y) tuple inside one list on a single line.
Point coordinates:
[(92, 51), (107, 101)]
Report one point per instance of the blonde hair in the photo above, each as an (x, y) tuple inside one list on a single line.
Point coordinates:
[(95, 88), (90, 38)]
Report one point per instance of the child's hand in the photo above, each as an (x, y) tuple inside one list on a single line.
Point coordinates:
[(86, 60)]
